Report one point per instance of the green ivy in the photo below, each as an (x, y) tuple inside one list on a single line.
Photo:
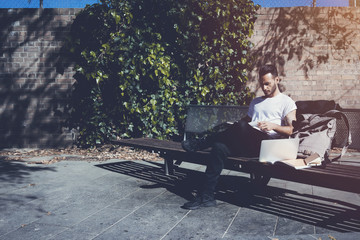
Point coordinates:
[(141, 62)]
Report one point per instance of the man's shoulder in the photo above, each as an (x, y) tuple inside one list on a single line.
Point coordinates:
[(281, 98), (288, 103), (258, 99), (286, 97)]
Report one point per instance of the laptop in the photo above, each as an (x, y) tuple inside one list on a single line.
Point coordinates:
[(278, 149)]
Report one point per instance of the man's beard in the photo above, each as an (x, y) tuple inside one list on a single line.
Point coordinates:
[(271, 92)]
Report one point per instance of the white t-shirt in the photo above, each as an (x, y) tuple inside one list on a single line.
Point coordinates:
[(272, 109)]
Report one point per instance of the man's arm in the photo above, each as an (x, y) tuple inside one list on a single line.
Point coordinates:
[(286, 130)]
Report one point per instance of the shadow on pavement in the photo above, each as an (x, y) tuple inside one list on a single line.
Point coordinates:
[(323, 212), (16, 172), (306, 208)]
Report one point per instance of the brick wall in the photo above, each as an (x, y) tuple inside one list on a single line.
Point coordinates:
[(315, 49), (33, 90)]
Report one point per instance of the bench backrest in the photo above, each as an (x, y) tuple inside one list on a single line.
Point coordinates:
[(201, 119), (353, 116)]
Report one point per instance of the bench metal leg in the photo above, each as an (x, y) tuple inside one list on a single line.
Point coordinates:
[(168, 166), (259, 180)]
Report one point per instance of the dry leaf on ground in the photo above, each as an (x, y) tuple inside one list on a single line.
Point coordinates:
[(99, 154)]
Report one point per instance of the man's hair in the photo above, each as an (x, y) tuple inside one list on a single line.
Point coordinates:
[(268, 68)]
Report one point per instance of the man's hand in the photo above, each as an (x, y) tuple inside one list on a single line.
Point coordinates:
[(286, 130), (267, 126)]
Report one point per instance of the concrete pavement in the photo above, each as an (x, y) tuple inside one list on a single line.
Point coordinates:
[(120, 199)]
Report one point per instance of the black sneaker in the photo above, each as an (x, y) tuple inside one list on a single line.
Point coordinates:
[(200, 201), (194, 145)]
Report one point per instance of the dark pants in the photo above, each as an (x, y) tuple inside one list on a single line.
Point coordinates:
[(240, 139)]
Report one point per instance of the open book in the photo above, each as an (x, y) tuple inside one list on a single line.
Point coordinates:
[(300, 163)]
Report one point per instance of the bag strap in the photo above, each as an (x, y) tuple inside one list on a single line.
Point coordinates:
[(310, 123), (340, 115)]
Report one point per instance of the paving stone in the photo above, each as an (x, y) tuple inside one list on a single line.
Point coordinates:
[(66, 235), (277, 183), (252, 222), (13, 218), (151, 221), (299, 237), (339, 236), (19, 173), (347, 198), (285, 226), (205, 223), (33, 231), (248, 237), (137, 199), (70, 214), (170, 198), (82, 205), (134, 200), (94, 225), (298, 187)]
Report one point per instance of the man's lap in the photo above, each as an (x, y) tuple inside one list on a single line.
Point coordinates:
[(242, 139)]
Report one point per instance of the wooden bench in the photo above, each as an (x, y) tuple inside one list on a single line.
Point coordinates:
[(343, 174)]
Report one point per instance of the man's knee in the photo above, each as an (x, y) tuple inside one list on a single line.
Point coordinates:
[(238, 130), (220, 150), (243, 123)]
